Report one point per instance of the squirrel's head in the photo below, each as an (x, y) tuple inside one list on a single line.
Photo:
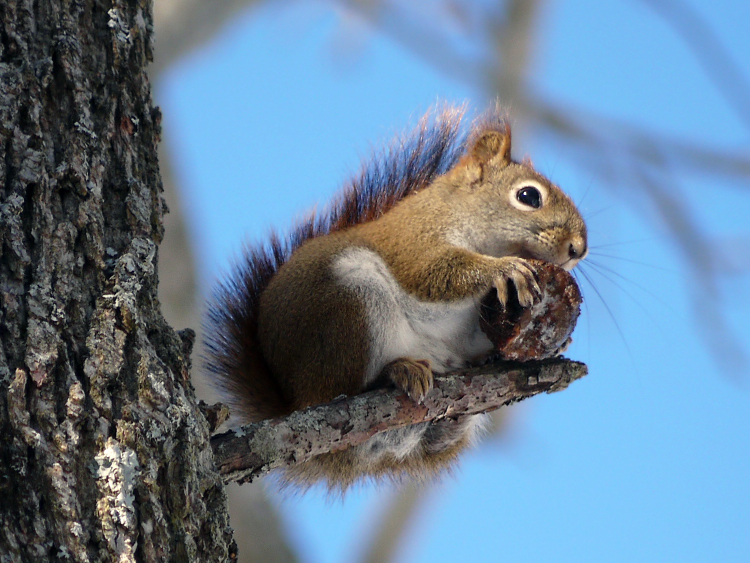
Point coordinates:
[(513, 210)]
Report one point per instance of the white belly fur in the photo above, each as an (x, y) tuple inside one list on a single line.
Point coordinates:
[(400, 325)]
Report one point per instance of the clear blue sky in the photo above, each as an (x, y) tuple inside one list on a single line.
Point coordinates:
[(647, 458)]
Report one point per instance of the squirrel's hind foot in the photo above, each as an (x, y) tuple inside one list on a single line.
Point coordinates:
[(413, 377)]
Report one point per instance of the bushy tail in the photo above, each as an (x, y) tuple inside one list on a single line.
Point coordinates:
[(231, 330), (233, 353)]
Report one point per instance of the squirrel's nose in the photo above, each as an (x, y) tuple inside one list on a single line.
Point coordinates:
[(577, 249)]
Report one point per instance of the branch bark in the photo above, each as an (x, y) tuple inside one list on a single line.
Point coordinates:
[(251, 451)]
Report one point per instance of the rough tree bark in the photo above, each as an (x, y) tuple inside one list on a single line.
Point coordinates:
[(103, 455)]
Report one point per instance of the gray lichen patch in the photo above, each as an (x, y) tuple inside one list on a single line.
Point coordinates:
[(117, 474)]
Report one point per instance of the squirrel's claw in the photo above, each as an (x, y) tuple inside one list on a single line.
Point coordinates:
[(518, 271), (413, 377)]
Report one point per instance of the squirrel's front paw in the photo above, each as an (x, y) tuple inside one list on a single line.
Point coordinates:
[(520, 272), (413, 377)]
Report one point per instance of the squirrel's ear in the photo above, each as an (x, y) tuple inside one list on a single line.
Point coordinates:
[(491, 147)]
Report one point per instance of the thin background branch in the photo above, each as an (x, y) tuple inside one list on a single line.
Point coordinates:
[(708, 50)]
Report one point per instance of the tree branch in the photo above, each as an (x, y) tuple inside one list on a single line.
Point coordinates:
[(246, 453)]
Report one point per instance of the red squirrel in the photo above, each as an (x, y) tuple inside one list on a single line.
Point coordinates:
[(384, 289)]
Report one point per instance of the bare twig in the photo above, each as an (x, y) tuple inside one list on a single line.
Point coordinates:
[(254, 450), (709, 51), (423, 36)]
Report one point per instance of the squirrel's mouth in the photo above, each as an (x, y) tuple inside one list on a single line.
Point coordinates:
[(527, 254), (564, 261)]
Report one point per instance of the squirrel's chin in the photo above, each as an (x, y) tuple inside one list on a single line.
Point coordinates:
[(568, 265)]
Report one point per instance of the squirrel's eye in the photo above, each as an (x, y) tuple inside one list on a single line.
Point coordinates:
[(529, 195)]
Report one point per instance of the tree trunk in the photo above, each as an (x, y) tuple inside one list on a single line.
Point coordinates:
[(103, 455)]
